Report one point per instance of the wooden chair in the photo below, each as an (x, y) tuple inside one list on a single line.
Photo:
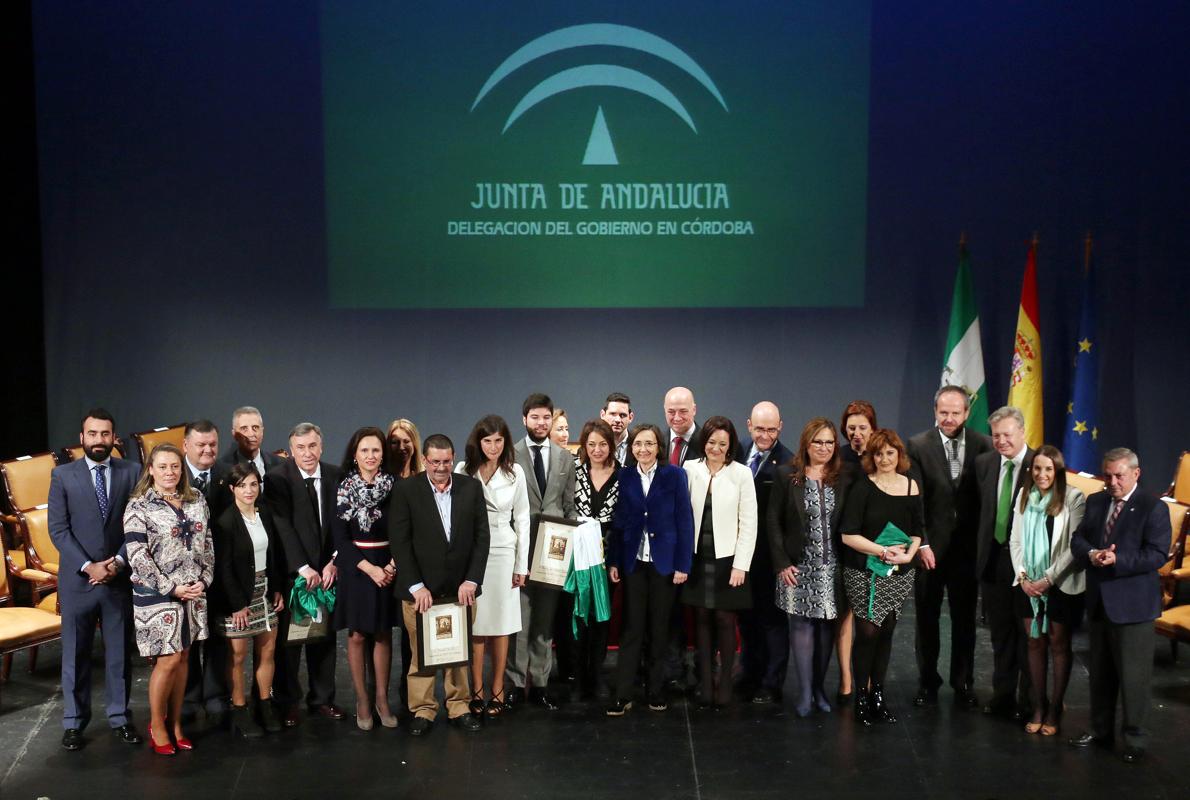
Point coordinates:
[(27, 480), (76, 452), (147, 440), (23, 627), (1174, 622), (1087, 484), (1179, 488)]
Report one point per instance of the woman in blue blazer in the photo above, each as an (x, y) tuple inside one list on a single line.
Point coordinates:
[(649, 548)]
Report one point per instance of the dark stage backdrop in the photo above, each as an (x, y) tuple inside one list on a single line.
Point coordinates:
[(187, 261)]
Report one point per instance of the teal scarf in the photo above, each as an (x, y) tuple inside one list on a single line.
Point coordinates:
[(304, 603), (890, 536), (1036, 552)]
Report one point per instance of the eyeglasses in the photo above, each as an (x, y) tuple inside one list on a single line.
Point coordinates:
[(823, 442), (766, 431), (438, 464)]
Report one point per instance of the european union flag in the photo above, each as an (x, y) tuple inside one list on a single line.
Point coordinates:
[(1081, 443)]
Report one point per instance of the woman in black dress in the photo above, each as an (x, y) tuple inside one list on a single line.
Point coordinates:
[(855, 427), (596, 489), (366, 606), (888, 498)]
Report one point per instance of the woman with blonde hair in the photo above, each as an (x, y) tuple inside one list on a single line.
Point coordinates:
[(404, 449)]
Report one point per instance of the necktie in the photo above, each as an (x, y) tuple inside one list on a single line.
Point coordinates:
[(1118, 506), (955, 465), (539, 469), (200, 483), (101, 490), (312, 493), (755, 464), (1004, 507), (675, 458)]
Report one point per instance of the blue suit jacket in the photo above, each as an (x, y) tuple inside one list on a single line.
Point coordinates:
[(1129, 589), (666, 514), (78, 531)]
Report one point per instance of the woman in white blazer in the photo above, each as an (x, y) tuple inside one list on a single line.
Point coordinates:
[(723, 500), (490, 458), (1050, 585)]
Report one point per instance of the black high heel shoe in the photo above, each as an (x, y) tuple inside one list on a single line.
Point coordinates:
[(496, 705), (880, 710), (863, 710), (477, 704)]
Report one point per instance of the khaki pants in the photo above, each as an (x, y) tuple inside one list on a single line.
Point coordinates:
[(421, 687)]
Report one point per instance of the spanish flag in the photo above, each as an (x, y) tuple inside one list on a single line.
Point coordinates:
[(1024, 391)]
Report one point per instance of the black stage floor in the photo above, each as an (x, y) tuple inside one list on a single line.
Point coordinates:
[(744, 752)]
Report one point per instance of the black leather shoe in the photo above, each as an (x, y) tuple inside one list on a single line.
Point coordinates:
[(72, 739), (880, 709), (542, 699), (513, 696), (1133, 754), (467, 722), (420, 726), (764, 697), (925, 697), (127, 734), (966, 698), (618, 708), (1087, 739), (328, 711)]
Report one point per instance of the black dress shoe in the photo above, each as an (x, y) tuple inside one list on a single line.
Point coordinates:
[(542, 698), (420, 726), (328, 711), (467, 722), (764, 697), (127, 734), (72, 739), (1133, 754), (965, 698), (618, 708), (513, 696), (925, 697), (1087, 739)]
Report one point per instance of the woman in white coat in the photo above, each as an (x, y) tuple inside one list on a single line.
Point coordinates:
[(490, 459), (1050, 585), (723, 500)]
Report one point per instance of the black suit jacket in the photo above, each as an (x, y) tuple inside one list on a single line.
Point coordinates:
[(787, 515), (1129, 589), (306, 539), (218, 492), (234, 456), (987, 475), (951, 507), (235, 561), (419, 544), (778, 456)]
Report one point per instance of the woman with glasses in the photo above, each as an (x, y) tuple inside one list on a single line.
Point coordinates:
[(649, 549), (803, 522)]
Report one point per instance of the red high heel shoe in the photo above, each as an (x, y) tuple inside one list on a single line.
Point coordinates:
[(184, 743), (166, 749)]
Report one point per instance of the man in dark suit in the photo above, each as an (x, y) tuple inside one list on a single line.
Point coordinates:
[(439, 539), (617, 412), (247, 426), (683, 442), (300, 494), (86, 521), (206, 680), (944, 467), (764, 628), (999, 475), (549, 470), (1122, 541)]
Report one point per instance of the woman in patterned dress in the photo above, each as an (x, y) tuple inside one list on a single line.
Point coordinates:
[(491, 460), (249, 575), (803, 523), (172, 559), (596, 489), (888, 497), (365, 603)]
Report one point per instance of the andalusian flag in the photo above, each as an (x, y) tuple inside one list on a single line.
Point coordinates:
[(1081, 445), (1024, 391), (964, 350)]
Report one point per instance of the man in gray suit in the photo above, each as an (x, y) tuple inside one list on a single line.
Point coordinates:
[(86, 521), (550, 472)]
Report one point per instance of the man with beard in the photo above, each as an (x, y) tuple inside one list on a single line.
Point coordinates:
[(617, 412), (86, 521), (206, 680), (944, 466), (550, 472)]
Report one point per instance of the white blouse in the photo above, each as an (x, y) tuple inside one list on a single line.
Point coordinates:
[(260, 541)]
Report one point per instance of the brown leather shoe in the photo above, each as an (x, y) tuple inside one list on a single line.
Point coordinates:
[(328, 711), (292, 717)]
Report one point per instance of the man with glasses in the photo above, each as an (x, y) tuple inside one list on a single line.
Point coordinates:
[(763, 628), (944, 466)]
